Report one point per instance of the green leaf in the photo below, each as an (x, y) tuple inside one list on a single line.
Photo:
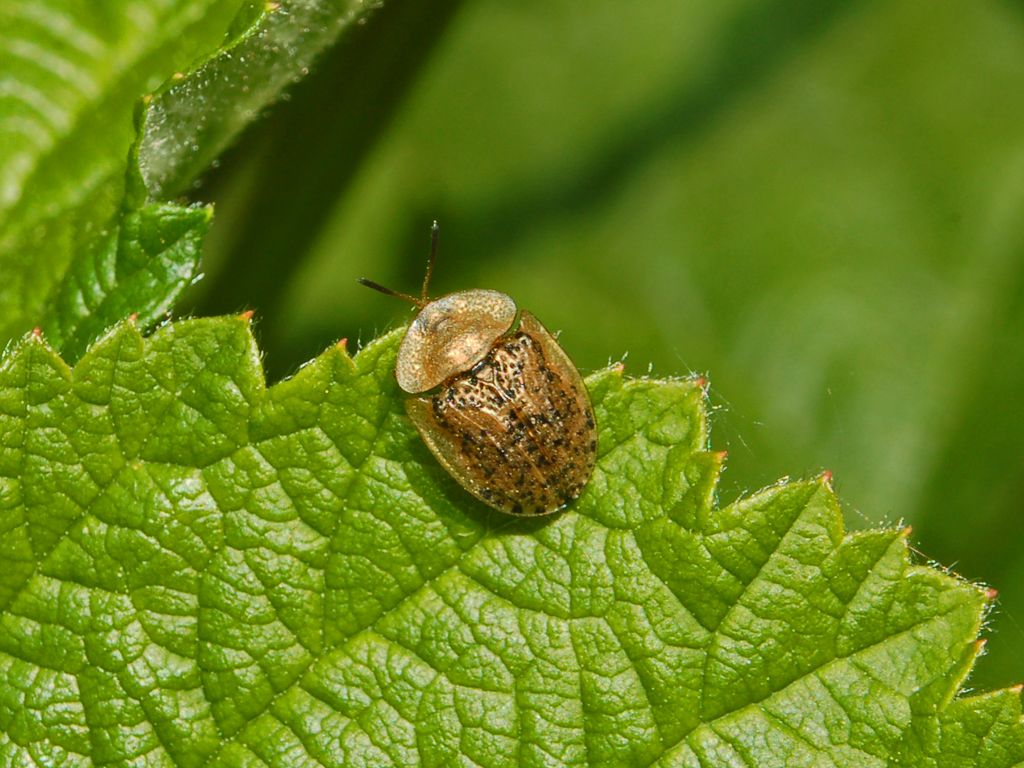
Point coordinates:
[(139, 269), (70, 75), (73, 236), (200, 570), (192, 119)]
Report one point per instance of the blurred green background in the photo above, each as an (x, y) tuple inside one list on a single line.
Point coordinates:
[(818, 204)]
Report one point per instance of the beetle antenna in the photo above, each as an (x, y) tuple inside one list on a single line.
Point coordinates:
[(434, 232), (390, 291)]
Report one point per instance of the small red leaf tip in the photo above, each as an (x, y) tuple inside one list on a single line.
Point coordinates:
[(700, 382), (826, 477), (619, 367), (37, 332), (342, 344), (133, 317), (1017, 688), (247, 315), (178, 76), (979, 644), (907, 530), (722, 455), (991, 594)]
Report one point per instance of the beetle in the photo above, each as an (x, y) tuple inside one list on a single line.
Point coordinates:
[(495, 398)]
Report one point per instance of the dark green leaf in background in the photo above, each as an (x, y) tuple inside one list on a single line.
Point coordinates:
[(191, 121)]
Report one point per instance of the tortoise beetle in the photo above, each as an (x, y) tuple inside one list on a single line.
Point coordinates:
[(495, 399)]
